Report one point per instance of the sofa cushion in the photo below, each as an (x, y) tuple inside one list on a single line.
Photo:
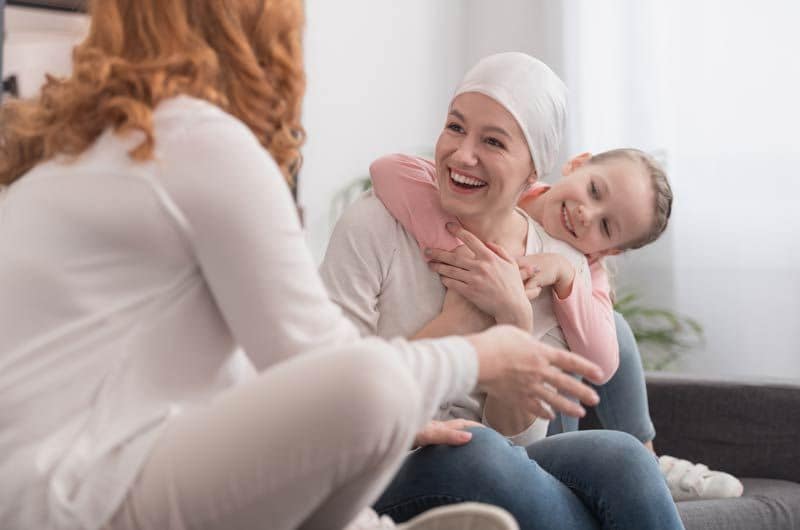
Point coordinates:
[(766, 505)]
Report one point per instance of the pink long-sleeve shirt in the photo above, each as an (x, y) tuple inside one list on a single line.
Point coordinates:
[(407, 187)]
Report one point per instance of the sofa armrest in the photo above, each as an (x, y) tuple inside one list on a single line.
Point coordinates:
[(750, 428)]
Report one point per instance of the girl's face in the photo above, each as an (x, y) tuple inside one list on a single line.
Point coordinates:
[(598, 208), (482, 160)]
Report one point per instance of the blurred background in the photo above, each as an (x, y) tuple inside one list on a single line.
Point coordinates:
[(709, 87)]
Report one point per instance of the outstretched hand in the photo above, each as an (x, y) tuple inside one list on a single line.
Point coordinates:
[(524, 372)]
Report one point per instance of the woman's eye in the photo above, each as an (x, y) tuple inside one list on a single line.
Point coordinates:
[(455, 127), (495, 142)]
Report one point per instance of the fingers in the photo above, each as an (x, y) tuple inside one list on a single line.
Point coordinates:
[(456, 285), (532, 289), (451, 432), (500, 251), (448, 258), (527, 273), (571, 362), (559, 402), (473, 243), (448, 271), (462, 424), (538, 407), (567, 384), (533, 293)]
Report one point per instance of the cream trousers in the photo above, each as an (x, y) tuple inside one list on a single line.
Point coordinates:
[(306, 445)]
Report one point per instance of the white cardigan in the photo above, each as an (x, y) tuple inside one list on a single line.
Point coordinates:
[(126, 290)]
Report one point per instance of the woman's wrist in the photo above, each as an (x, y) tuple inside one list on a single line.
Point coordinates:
[(488, 364), (520, 316)]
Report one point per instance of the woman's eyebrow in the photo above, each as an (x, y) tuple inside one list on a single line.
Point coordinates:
[(496, 129), (456, 114), (489, 128)]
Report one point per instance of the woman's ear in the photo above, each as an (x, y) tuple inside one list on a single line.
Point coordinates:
[(530, 181), (575, 162)]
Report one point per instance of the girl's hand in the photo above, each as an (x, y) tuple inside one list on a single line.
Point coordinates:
[(487, 276), (450, 432), (541, 270), (525, 373)]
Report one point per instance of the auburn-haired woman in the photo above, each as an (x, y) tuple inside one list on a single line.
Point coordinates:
[(168, 357)]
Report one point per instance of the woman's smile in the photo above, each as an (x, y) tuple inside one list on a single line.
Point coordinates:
[(462, 183)]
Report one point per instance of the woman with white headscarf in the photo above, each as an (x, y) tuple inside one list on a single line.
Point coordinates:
[(503, 129)]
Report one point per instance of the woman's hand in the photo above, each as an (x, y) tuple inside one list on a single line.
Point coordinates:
[(487, 276), (526, 373), (450, 432), (465, 316), (541, 270)]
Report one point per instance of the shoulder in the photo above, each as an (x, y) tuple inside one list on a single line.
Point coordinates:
[(203, 150), (551, 244), (200, 133), (368, 217)]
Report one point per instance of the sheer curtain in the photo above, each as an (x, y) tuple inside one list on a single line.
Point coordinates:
[(712, 89)]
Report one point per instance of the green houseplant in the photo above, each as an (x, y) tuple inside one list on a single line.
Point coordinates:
[(662, 335)]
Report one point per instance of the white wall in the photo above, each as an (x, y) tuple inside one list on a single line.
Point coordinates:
[(714, 86), (39, 41), (380, 75)]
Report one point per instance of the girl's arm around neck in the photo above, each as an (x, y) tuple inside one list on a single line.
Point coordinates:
[(406, 186)]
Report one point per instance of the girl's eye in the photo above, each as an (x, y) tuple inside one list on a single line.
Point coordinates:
[(606, 229), (593, 191), (454, 127), (495, 142)]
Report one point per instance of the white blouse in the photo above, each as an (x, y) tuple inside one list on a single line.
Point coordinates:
[(129, 292)]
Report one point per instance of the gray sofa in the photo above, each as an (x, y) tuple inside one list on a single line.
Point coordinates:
[(750, 429)]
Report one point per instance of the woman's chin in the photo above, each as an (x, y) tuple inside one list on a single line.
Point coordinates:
[(458, 207)]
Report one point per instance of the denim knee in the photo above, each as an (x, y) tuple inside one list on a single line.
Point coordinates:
[(633, 463), (488, 458)]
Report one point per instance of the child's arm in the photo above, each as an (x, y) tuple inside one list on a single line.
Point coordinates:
[(586, 318), (583, 309), (406, 186)]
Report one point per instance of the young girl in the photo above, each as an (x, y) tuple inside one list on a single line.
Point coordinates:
[(578, 210)]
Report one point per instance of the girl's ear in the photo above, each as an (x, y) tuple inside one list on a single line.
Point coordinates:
[(594, 256), (575, 162)]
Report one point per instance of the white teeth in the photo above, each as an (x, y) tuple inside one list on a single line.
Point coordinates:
[(565, 218), (463, 179)]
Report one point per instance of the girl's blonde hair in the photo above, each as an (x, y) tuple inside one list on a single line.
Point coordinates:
[(242, 55), (662, 205)]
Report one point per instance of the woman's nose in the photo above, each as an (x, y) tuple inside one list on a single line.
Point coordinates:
[(465, 154)]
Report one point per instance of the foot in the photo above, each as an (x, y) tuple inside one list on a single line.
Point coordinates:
[(461, 516), (688, 481)]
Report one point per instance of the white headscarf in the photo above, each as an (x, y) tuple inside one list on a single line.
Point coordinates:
[(532, 93)]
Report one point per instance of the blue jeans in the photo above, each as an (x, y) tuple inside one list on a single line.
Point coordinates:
[(623, 399), (579, 480)]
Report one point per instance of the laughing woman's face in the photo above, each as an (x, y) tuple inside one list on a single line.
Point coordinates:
[(482, 160)]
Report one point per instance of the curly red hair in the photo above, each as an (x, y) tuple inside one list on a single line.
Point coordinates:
[(242, 55)]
